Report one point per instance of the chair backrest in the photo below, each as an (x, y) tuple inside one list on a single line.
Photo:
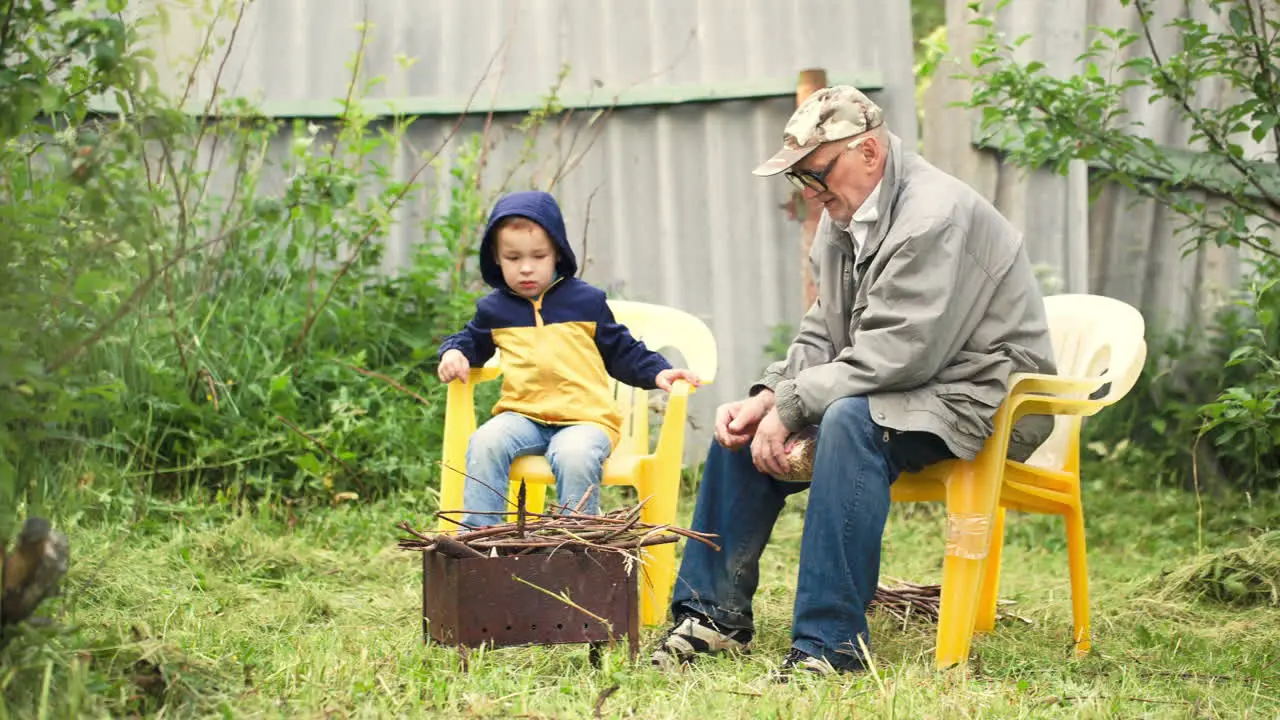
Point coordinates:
[(660, 328), (1094, 337)]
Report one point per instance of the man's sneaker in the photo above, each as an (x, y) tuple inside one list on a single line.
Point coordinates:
[(800, 660), (692, 636)]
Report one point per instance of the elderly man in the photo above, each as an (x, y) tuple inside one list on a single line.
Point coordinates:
[(926, 305)]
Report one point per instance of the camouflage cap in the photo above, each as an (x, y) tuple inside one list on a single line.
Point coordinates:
[(831, 113)]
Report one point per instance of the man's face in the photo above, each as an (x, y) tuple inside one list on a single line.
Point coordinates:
[(841, 174)]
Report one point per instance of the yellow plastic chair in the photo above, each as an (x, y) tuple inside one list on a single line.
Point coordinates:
[(1098, 342), (655, 474)]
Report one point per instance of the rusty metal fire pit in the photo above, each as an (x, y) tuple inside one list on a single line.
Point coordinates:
[(538, 599), (545, 579)]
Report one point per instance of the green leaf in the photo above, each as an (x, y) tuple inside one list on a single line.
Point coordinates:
[(90, 283)]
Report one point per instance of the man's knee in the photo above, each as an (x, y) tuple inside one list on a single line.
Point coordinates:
[(848, 412)]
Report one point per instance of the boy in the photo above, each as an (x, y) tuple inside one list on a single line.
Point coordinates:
[(560, 344)]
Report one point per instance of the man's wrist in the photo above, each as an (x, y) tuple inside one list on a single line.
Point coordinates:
[(765, 398), (790, 410)]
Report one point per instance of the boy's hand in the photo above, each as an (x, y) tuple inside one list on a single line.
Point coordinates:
[(453, 366), (667, 378)]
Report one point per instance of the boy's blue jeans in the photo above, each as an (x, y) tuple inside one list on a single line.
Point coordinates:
[(576, 453), (855, 464)]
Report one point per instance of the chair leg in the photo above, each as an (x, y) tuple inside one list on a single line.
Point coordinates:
[(658, 572), (1079, 578), (986, 621), (972, 491)]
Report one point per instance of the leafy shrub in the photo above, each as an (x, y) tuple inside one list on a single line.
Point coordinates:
[(189, 317), (1206, 407)]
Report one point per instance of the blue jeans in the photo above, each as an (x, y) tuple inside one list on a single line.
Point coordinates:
[(855, 464), (576, 453)]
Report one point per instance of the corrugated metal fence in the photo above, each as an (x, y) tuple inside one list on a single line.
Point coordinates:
[(662, 201)]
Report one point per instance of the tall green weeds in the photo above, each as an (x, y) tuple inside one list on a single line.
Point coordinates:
[(201, 298)]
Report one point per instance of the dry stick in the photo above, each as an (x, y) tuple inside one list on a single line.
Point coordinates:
[(488, 123), (565, 599), (213, 391), (586, 225), (493, 98), (354, 475), (703, 538), (355, 72), (185, 191), (389, 381), (355, 253), (598, 710), (520, 509), (173, 321), (217, 80), (404, 525), (483, 484), (200, 55), (1075, 698), (572, 163), (449, 546), (206, 270)]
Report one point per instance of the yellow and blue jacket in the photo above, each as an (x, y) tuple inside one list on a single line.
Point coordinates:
[(557, 351)]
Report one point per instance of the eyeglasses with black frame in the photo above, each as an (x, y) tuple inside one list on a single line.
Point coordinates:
[(815, 181)]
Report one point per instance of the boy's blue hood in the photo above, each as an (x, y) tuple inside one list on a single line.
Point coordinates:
[(539, 207)]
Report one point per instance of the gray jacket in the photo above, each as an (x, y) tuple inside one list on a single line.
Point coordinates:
[(939, 310)]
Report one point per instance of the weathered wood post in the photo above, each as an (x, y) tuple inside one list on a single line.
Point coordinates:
[(810, 81)]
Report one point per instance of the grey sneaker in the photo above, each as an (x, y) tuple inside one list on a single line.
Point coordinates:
[(693, 636), (800, 660)]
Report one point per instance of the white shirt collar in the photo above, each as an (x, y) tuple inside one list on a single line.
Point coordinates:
[(869, 211)]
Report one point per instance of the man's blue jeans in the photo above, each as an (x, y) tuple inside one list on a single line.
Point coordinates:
[(855, 463), (576, 454)]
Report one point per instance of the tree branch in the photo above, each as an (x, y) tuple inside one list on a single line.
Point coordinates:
[(1197, 118), (138, 293)]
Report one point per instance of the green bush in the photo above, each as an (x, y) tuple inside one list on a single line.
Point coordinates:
[(236, 334), (1205, 411)]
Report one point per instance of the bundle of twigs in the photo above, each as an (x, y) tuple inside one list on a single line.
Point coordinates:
[(617, 531), (905, 601)]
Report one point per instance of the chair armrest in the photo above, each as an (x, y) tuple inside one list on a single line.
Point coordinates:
[(671, 434), (1058, 385), (1037, 394), (484, 374)]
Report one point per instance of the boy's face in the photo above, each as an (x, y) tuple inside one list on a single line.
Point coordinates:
[(528, 259)]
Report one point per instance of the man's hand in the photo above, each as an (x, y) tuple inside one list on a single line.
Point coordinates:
[(668, 377), (453, 366), (770, 446), (736, 421)]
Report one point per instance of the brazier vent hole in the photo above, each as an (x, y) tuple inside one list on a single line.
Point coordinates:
[(533, 627), (584, 626), (484, 630), (508, 628), (559, 626)]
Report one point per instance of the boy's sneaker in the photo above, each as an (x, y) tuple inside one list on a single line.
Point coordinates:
[(800, 660), (692, 636)]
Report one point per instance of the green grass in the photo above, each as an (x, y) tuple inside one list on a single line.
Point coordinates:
[(193, 609)]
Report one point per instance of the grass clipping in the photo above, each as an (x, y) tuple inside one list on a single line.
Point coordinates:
[(1244, 577)]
